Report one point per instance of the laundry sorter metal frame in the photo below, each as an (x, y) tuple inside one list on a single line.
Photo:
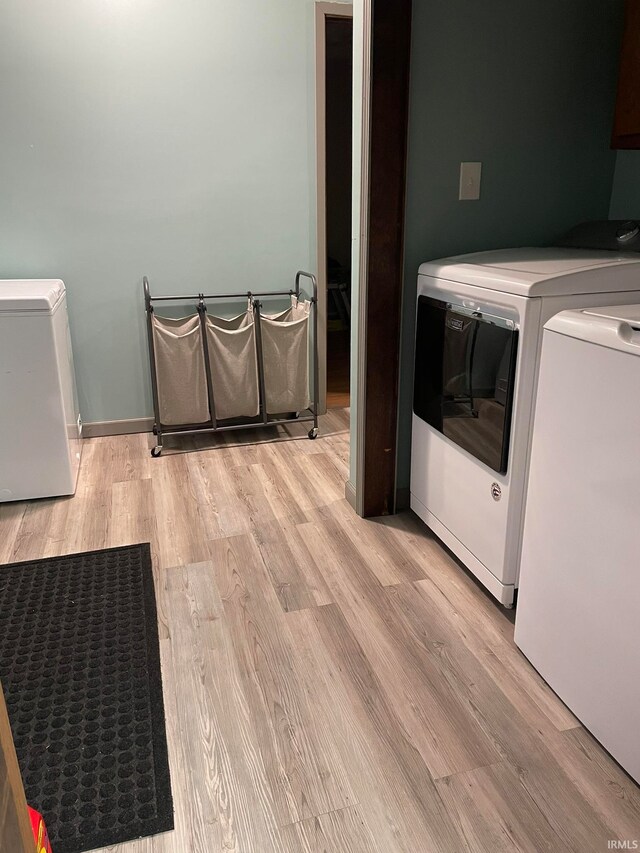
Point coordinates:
[(160, 430)]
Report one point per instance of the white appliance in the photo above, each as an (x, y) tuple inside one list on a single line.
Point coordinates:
[(578, 615), (40, 426), (478, 336)]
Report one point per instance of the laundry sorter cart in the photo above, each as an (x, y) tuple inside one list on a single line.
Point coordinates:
[(213, 374)]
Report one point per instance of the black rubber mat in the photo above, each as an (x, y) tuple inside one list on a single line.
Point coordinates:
[(80, 669)]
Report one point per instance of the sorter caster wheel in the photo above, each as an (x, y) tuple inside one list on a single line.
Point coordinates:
[(313, 433), (156, 451)]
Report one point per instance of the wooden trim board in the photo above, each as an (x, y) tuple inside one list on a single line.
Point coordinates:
[(15, 828)]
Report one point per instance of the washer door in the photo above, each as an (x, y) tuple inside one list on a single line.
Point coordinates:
[(464, 377)]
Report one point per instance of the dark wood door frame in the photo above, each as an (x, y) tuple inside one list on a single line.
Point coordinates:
[(384, 253)]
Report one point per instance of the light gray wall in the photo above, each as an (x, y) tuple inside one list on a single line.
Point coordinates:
[(526, 88), (625, 195), (172, 139)]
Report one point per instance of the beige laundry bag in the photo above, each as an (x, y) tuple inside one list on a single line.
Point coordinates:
[(234, 366), (180, 370), (285, 348), (231, 323)]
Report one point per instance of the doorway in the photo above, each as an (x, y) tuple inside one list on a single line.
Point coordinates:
[(380, 78), (334, 32)]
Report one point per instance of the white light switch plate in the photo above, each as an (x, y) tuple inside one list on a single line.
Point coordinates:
[(470, 174)]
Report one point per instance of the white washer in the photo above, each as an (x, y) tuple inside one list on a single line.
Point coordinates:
[(469, 465), (579, 602), (40, 426)]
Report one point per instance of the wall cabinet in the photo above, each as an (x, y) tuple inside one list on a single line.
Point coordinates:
[(626, 125)]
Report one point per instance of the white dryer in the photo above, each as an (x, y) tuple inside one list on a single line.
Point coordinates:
[(478, 337), (40, 426)]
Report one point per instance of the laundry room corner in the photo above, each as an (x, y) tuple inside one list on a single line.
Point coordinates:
[(319, 426)]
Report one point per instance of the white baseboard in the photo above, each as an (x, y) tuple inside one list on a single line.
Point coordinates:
[(93, 429), (350, 495)]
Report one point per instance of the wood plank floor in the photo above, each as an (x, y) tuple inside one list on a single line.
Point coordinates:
[(332, 685)]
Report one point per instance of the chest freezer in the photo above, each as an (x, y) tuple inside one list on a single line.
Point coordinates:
[(579, 600), (40, 424)]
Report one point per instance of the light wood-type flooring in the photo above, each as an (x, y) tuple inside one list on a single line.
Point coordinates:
[(331, 685)]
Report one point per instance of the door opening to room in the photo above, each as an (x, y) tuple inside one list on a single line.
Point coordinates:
[(335, 37)]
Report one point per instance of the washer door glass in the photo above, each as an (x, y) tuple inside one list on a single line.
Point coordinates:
[(464, 378)]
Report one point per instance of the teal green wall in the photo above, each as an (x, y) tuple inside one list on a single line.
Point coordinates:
[(172, 139), (526, 88), (625, 196)]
